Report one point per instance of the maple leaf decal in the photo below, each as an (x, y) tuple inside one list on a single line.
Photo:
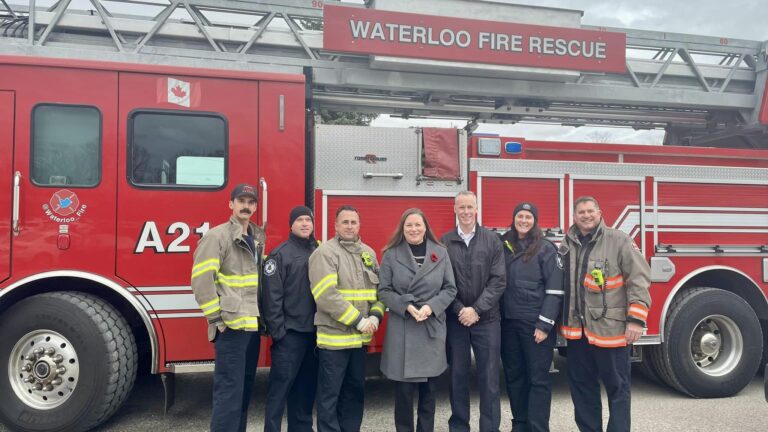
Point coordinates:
[(178, 91)]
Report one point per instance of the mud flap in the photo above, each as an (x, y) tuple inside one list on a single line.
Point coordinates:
[(169, 388)]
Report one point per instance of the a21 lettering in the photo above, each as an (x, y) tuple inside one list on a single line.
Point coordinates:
[(150, 238)]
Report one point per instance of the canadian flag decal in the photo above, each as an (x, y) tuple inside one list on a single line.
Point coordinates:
[(178, 92)]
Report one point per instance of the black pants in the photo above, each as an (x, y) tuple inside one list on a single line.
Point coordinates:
[(340, 389), (404, 392), (526, 374), (587, 363), (292, 379), (237, 353), (483, 339)]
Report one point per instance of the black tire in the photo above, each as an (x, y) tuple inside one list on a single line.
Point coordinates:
[(764, 360), (655, 358), (645, 367), (713, 344), (101, 357)]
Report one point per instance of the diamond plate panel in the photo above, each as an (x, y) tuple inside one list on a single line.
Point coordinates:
[(343, 154)]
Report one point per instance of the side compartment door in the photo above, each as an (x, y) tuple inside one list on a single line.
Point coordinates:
[(6, 181), (185, 142), (499, 193)]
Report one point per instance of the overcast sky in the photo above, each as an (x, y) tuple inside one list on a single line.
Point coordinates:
[(741, 19)]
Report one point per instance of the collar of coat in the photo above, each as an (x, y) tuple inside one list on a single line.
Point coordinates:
[(351, 246), (404, 257), (453, 235), (307, 243), (236, 230), (573, 232)]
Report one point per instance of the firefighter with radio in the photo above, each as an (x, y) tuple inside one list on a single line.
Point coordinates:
[(344, 275), (289, 312), (225, 281), (605, 310)]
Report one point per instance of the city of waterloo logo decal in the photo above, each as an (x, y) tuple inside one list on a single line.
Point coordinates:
[(64, 207)]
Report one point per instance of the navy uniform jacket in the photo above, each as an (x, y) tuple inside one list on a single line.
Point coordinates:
[(535, 288), (287, 302)]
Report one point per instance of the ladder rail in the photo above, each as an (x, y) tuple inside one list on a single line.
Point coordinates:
[(694, 78)]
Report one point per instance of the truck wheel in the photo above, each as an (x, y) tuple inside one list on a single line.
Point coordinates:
[(713, 344), (645, 367), (67, 362), (764, 361)]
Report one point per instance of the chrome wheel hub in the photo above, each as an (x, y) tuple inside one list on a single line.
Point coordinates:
[(716, 345), (43, 369)]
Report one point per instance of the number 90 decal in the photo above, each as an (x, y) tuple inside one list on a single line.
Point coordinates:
[(150, 238)]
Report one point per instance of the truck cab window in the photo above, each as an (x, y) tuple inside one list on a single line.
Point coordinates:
[(177, 149), (66, 145)]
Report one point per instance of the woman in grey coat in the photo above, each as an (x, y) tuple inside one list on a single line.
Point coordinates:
[(416, 284)]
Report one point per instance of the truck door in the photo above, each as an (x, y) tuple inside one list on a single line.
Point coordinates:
[(187, 142), (64, 153), (6, 181)]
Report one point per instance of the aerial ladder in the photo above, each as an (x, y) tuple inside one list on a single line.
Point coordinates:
[(702, 90)]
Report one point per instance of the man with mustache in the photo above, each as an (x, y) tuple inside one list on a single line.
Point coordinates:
[(225, 280)]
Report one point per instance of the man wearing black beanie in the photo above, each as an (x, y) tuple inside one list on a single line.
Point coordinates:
[(289, 310)]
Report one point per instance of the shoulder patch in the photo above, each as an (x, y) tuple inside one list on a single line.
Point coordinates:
[(270, 266)]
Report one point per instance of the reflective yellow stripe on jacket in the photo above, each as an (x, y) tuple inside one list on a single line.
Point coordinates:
[(232, 281), (358, 294), (206, 266), (343, 341), (349, 316), (378, 307), (210, 307), (325, 283), (247, 322)]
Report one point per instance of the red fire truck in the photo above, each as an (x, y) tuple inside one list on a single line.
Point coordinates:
[(120, 136)]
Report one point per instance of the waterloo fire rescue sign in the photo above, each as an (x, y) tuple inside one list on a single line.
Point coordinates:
[(397, 34)]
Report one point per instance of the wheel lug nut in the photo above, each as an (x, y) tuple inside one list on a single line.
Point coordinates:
[(58, 358), (50, 350), (61, 370), (27, 367), (38, 386), (48, 388), (30, 357), (29, 379), (39, 351), (56, 381)]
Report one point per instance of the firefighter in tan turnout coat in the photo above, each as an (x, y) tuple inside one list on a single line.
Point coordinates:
[(605, 311), (225, 280), (343, 274)]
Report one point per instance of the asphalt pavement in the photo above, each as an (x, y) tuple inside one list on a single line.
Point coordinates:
[(654, 407)]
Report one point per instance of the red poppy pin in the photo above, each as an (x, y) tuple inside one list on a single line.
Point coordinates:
[(434, 257)]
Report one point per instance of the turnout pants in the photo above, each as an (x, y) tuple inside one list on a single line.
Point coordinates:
[(526, 374), (587, 363), (482, 338), (292, 380), (237, 353), (340, 389), (404, 393)]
